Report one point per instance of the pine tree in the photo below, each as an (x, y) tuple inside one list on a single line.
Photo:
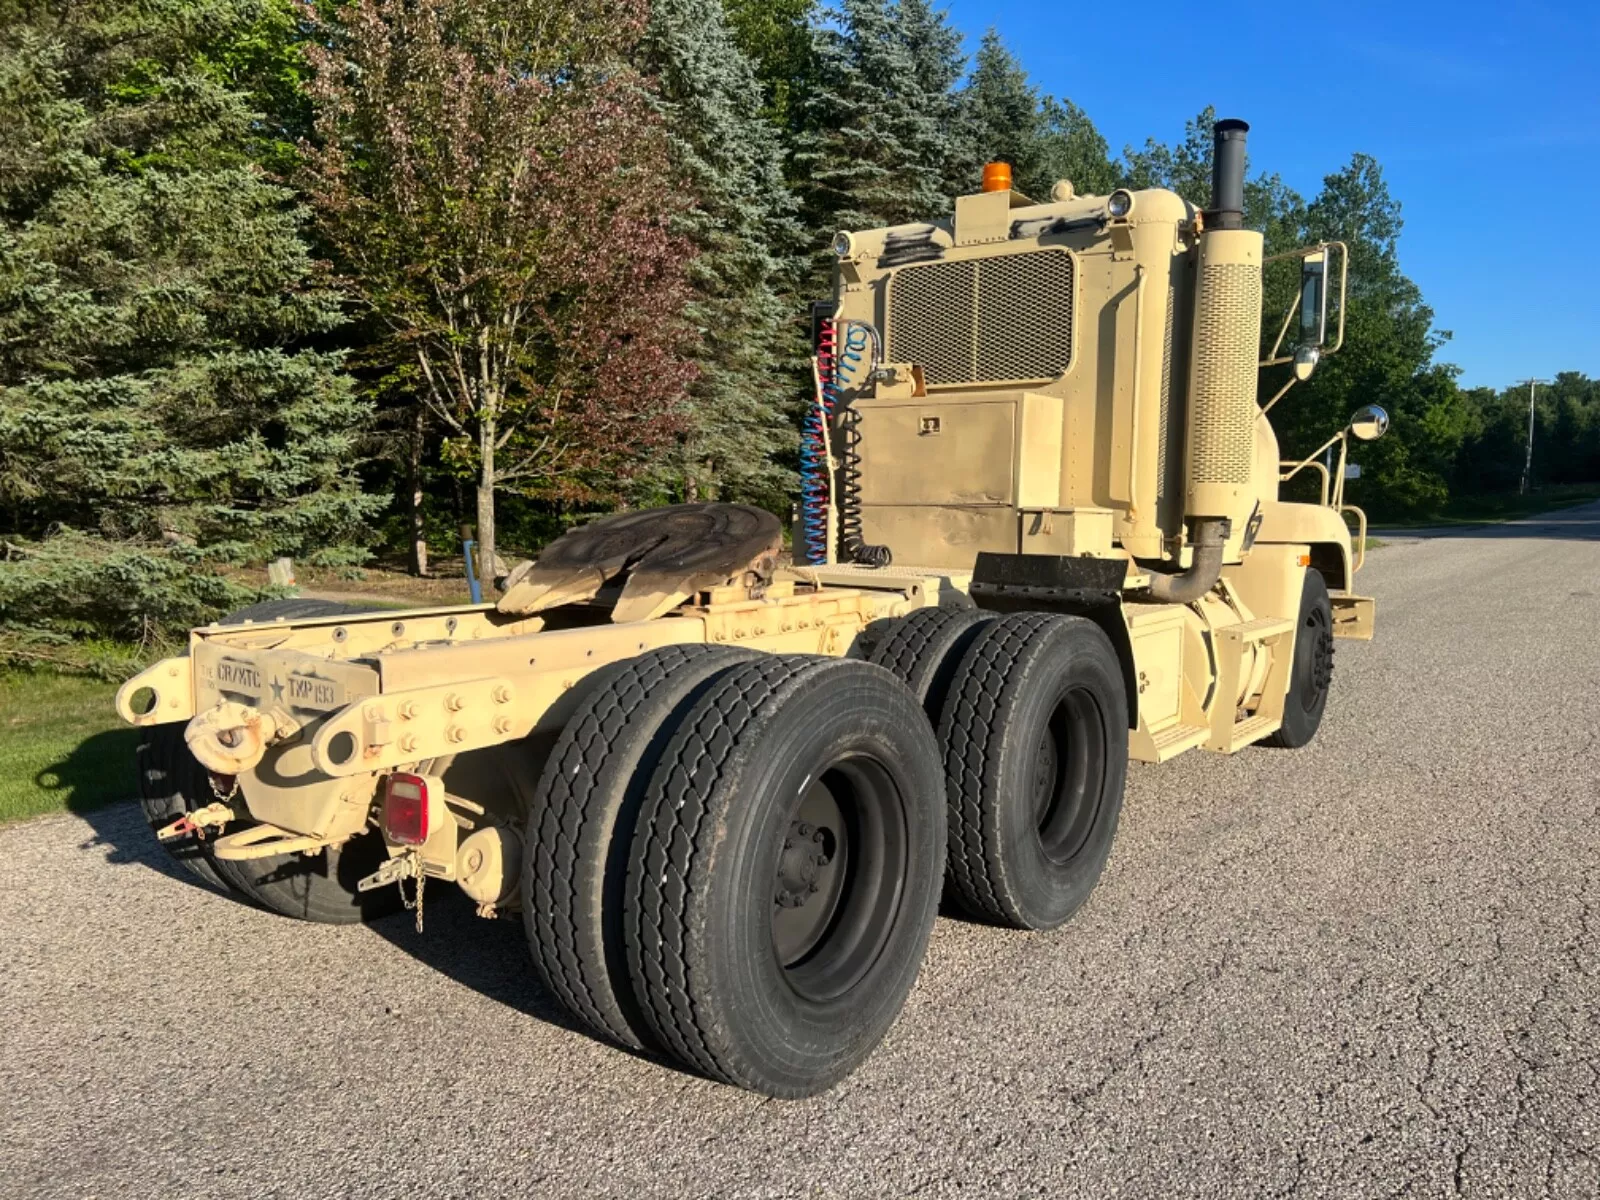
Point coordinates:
[(776, 36), (876, 143), (1001, 118), (729, 160), (156, 296), (1004, 118), (1072, 149)]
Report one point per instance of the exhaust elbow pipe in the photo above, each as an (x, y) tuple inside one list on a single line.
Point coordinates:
[(1185, 587)]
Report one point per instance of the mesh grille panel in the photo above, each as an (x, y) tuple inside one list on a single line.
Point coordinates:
[(932, 313), (1163, 463), (1222, 406), (986, 321)]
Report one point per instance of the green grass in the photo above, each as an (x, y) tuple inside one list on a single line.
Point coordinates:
[(62, 745), (1504, 506)]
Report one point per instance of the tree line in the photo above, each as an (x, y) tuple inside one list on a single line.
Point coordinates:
[(327, 279)]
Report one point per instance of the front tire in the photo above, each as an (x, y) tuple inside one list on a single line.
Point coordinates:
[(1312, 673), (786, 873), (1035, 739)]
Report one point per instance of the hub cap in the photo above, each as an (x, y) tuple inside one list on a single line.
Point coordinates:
[(1315, 659), (836, 878), (1069, 775)]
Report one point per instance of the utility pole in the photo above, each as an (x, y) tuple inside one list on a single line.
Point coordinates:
[(1527, 466)]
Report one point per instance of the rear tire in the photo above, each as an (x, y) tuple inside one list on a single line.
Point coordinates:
[(1035, 739), (924, 648), (320, 888), (1312, 673), (580, 829), (786, 872), (171, 783)]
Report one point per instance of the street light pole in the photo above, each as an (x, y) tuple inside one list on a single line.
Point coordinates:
[(1527, 466)]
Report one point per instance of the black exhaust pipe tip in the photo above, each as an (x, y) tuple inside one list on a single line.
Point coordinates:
[(1227, 174)]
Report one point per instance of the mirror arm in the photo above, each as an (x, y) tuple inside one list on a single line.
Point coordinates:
[(1338, 482), (1267, 407), (1319, 467), (1299, 299), (1310, 458)]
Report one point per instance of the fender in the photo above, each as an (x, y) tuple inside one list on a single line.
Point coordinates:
[(1322, 529)]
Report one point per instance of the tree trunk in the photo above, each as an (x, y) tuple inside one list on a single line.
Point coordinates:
[(419, 541), (486, 432)]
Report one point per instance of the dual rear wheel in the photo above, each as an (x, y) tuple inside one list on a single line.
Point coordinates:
[(736, 859)]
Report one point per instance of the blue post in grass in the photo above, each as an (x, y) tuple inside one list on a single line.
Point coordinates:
[(467, 547)]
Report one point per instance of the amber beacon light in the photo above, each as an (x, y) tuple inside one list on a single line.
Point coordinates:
[(997, 177)]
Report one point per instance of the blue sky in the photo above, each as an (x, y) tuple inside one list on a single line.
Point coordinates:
[(1486, 118)]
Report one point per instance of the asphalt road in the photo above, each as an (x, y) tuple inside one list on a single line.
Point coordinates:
[(1371, 967)]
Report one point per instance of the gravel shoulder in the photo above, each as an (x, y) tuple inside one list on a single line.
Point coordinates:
[(1364, 968)]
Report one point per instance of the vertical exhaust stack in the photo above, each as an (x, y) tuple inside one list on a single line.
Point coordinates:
[(1227, 175), (1227, 341), (1220, 432)]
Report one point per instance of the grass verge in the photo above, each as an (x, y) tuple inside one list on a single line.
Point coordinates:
[(1494, 508), (61, 745)]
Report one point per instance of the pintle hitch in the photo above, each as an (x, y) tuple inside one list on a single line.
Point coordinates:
[(396, 871)]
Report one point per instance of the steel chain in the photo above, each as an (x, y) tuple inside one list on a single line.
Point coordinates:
[(414, 857)]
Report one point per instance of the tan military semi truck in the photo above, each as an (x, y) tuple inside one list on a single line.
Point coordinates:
[(725, 794)]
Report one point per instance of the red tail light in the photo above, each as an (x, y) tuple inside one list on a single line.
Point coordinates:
[(405, 809)]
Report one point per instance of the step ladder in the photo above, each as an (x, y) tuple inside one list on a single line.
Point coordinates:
[(1227, 733)]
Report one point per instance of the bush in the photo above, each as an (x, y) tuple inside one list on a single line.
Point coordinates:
[(86, 604)]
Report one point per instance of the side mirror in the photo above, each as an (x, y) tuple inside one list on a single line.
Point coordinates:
[(1305, 362), (1313, 301), (1369, 423)]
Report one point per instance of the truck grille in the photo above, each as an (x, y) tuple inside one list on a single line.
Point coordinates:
[(990, 320)]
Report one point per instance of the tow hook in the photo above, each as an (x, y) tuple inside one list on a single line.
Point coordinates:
[(197, 822)]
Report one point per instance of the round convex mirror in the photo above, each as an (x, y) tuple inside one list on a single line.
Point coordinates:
[(1369, 423)]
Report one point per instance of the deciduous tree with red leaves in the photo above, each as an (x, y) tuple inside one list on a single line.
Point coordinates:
[(494, 184)]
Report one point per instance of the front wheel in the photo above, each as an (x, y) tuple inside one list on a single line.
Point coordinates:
[(1312, 673), (785, 872)]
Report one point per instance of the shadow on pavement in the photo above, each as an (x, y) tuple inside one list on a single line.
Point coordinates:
[(488, 956), (122, 832)]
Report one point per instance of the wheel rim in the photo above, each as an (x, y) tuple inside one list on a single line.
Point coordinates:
[(837, 878), (1315, 660), (1069, 774)]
